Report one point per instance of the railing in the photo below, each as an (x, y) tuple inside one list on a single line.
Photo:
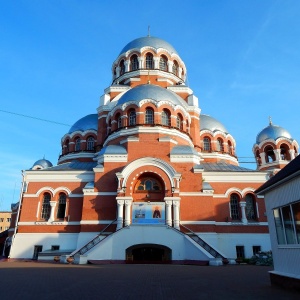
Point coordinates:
[(95, 241), (202, 243)]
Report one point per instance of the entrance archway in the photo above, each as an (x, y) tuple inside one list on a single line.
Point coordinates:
[(148, 253)]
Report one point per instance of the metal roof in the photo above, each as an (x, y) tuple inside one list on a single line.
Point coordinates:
[(44, 163), (149, 41), (153, 92), (183, 150), (89, 122), (224, 167), (272, 132), (212, 124), (74, 165), (113, 149)]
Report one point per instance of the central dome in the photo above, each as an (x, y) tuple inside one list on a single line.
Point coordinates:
[(153, 92), (149, 41)]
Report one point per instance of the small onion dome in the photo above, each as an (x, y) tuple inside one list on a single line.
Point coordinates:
[(209, 123), (89, 122), (148, 41), (113, 149), (272, 132), (152, 92), (41, 164)]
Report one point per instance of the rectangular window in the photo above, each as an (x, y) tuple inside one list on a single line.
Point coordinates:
[(1, 219), (8, 219), (0, 228), (240, 252), (296, 214), (54, 247), (37, 249), (287, 224), (256, 249)]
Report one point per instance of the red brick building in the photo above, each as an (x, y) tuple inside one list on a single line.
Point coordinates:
[(148, 177)]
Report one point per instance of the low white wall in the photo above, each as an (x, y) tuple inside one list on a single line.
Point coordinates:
[(23, 243), (114, 247), (226, 242)]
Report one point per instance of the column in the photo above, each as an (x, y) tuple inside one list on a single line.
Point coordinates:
[(277, 154), (176, 214), (170, 66), (243, 209), (52, 204), (263, 158), (120, 204), (292, 153), (127, 212), (127, 63), (168, 212)]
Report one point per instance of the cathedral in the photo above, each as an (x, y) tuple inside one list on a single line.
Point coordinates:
[(148, 177)]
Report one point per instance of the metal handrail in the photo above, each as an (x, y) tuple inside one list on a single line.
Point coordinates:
[(202, 243), (95, 241)]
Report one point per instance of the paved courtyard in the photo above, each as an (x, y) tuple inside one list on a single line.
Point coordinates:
[(33, 280)]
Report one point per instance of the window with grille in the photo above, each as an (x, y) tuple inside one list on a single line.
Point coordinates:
[(250, 207), (179, 122), (148, 184), (165, 118), (149, 61), (163, 63), (122, 67), (45, 213), (175, 68), (134, 63), (132, 118), (61, 210), (149, 116), (220, 146), (77, 144), (206, 144), (234, 207), (90, 143)]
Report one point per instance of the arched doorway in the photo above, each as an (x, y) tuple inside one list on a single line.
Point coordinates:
[(148, 253)]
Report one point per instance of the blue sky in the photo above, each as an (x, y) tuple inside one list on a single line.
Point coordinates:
[(242, 57)]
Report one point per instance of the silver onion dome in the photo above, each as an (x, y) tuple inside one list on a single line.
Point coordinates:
[(209, 123), (149, 41), (153, 92), (89, 122), (272, 132), (41, 164)]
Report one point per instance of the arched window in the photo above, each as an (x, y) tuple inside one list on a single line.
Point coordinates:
[(220, 146), (45, 213), (206, 144), (258, 159), (61, 210), (132, 117), (269, 153), (149, 61), (163, 63), (77, 144), (119, 120), (165, 118), (90, 143), (179, 122), (284, 152), (148, 184), (122, 67), (234, 207), (230, 148), (250, 207), (134, 63), (149, 116), (175, 68)]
